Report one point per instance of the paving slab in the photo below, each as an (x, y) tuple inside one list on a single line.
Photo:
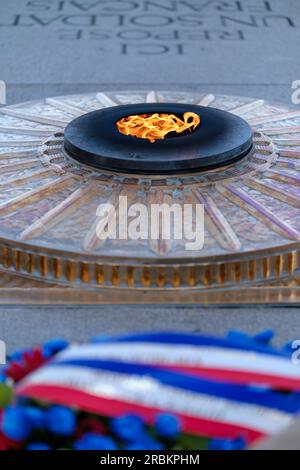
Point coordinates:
[(28, 325), (243, 47), (165, 41)]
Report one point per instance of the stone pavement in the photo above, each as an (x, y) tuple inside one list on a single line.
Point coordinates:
[(28, 325), (54, 47)]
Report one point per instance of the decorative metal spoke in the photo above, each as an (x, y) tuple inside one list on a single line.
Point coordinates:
[(257, 210), (283, 176), (160, 245), (248, 107), (96, 235), (152, 97), (19, 165), (207, 100), (274, 118), (271, 190), (20, 143), (31, 176), (34, 118), (286, 130), (66, 107), (34, 195), (217, 224), (289, 153), (17, 154), (59, 213), (42, 132), (105, 100)]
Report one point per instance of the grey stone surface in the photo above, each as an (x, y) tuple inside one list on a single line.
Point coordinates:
[(286, 440), (54, 47), (29, 325), (245, 47)]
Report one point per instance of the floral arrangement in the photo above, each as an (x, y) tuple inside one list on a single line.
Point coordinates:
[(150, 391)]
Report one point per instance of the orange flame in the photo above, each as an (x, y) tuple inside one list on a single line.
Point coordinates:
[(157, 126)]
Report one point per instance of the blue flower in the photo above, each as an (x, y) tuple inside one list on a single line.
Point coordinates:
[(17, 356), (227, 444), (38, 446), (54, 346), (145, 444), (92, 441), (289, 346), (60, 420), (167, 426), (239, 336), (128, 427), (16, 425), (265, 336), (36, 416), (3, 377), (138, 445)]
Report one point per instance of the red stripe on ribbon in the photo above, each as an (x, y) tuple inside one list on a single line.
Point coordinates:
[(112, 408), (235, 376)]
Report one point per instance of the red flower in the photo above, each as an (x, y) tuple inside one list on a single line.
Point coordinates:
[(31, 360), (5, 442), (93, 425)]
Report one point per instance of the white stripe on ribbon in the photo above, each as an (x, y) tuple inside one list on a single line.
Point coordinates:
[(176, 354), (147, 391)]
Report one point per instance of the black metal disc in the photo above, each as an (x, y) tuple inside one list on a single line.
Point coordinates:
[(221, 138)]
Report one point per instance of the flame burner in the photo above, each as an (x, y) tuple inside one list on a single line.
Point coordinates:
[(158, 126), (221, 138)]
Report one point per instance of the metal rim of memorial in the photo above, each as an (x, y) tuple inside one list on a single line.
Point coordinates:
[(49, 200)]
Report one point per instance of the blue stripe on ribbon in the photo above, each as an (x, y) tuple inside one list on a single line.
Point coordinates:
[(239, 393), (243, 344)]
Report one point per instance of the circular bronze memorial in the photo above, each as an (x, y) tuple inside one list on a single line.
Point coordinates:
[(62, 157)]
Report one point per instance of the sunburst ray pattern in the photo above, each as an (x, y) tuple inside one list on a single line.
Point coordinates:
[(48, 202)]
